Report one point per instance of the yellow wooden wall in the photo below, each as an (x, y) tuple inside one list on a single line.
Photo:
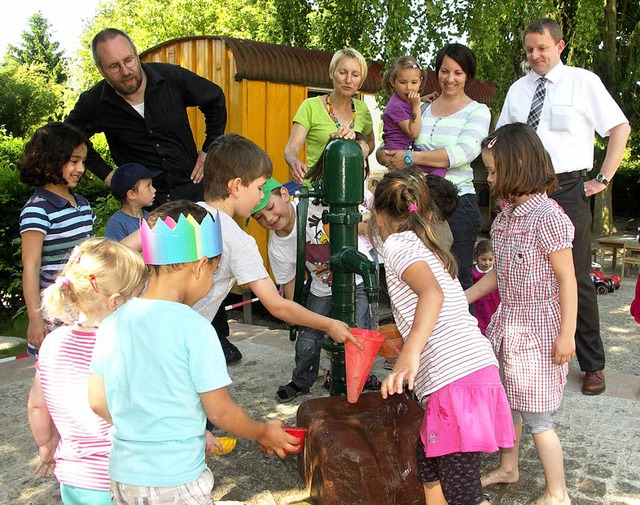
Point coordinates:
[(260, 111)]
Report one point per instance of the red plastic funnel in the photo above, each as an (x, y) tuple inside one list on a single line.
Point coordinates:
[(358, 363)]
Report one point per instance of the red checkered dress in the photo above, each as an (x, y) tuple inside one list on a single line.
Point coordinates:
[(528, 318)]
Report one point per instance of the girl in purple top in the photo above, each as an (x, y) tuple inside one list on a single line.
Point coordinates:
[(401, 119)]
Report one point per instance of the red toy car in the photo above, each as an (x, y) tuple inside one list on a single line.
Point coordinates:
[(602, 283)]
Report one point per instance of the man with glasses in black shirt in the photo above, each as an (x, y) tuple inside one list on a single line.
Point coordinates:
[(141, 108)]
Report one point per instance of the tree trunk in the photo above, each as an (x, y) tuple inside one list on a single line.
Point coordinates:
[(603, 208), (602, 214)]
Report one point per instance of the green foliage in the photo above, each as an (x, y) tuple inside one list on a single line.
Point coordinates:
[(28, 99), (32, 78), (38, 49), (13, 195), (150, 22)]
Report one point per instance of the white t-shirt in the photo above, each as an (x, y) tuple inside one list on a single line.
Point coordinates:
[(282, 253), (318, 252), (240, 262), (576, 104), (455, 348)]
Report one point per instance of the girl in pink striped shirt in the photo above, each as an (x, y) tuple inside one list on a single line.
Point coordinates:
[(445, 359), (73, 442)]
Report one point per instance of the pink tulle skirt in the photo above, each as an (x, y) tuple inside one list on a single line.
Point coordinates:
[(471, 414)]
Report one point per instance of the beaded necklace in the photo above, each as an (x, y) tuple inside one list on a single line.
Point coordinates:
[(335, 119)]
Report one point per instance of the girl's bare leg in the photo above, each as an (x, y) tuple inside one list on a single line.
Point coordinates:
[(433, 493), (507, 472), (550, 452)]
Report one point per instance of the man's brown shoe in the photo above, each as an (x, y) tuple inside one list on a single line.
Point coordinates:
[(594, 383)]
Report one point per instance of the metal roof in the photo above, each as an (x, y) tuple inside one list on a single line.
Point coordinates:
[(261, 61)]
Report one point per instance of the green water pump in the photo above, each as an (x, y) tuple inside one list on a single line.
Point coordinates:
[(343, 191)]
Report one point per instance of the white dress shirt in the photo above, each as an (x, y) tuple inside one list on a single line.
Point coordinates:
[(576, 105)]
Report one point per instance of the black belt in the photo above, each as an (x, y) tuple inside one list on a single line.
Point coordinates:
[(571, 175)]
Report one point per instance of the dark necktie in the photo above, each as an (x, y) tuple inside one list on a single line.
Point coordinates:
[(537, 103)]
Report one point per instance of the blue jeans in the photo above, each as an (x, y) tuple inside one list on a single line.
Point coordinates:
[(309, 342), (465, 225)]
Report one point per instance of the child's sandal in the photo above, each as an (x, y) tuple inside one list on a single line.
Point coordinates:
[(372, 384), (289, 391)]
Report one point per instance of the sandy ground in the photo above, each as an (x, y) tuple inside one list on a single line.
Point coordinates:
[(247, 475)]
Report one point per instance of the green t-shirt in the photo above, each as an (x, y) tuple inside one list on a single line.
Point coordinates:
[(313, 115)]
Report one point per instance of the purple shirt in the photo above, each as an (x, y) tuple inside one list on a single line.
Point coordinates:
[(396, 110)]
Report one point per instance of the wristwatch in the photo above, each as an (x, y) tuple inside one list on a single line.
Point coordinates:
[(408, 159), (602, 179)]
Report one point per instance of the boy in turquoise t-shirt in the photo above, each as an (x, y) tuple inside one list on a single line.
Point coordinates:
[(158, 371)]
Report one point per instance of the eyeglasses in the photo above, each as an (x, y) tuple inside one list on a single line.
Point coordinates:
[(129, 62)]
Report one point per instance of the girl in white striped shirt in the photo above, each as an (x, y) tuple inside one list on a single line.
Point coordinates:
[(445, 360)]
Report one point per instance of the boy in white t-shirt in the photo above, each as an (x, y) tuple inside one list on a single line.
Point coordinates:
[(277, 212), (235, 171)]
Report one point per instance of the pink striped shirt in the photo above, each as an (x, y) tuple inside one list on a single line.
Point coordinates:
[(82, 455), (455, 348)]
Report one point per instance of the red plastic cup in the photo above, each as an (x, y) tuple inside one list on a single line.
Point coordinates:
[(301, 433), (392, 345), (358, 363), (296, 431)]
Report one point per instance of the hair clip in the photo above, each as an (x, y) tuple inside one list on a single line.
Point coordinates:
[(412, 208), (492, 142), (75, 255), (93, 281), (415, 64), (63, 281)]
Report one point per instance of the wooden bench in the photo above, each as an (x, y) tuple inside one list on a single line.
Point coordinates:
[(613, 242)]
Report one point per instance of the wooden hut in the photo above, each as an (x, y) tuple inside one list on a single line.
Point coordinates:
[(264, 84)]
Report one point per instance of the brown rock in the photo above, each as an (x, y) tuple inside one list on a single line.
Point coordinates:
[(362, 453)]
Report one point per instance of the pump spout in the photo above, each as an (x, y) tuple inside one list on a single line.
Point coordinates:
[(350, 260)]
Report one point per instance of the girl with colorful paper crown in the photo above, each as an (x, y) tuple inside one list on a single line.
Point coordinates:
[(445, 359), (73, 442), (533, 329)]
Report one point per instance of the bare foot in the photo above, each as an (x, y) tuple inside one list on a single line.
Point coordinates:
[(550, 500), (500, 476)]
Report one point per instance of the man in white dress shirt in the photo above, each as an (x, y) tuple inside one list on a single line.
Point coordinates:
[(575, 104)]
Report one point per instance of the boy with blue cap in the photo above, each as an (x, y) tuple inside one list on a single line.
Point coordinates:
[(132, 185)]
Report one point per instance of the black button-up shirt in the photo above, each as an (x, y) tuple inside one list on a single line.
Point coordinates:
[(162, 140)]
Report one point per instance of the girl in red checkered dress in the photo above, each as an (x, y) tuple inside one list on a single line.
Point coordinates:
[(533, 329)]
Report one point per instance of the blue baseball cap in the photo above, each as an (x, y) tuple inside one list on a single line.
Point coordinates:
[(126, 176)]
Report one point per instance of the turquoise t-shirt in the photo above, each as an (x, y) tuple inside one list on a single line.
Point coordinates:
[(314, 117), (156, 357)]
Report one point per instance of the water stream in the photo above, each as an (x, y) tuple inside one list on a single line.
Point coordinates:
[(374, 312)]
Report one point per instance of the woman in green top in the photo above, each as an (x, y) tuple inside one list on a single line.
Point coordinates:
[(337, 114)]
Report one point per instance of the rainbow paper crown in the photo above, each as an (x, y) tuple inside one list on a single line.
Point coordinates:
[(168, 242)]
